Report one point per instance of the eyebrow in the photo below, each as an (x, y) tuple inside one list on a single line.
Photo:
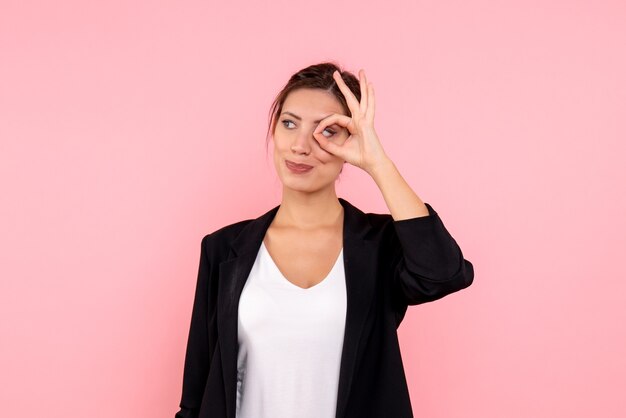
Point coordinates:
[(299, 118)]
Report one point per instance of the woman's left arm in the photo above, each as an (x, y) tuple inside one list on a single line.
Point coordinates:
[(402, 201), (428, 263)]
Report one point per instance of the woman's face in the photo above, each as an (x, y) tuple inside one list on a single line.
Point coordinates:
[(294, 141)]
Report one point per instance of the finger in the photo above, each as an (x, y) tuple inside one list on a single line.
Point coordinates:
[(369, 114), (339, 119), (329, 146), (353, 103), (363, 84)]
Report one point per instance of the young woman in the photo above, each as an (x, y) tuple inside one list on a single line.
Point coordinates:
[(295, 312)]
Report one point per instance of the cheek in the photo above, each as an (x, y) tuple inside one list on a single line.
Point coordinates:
[(331, 163), (280, 148), (323, 156), (279, 142)]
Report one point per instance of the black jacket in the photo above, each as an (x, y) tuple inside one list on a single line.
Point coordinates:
[(388, 266)]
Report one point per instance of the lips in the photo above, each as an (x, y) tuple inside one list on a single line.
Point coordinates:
[(297, 167)]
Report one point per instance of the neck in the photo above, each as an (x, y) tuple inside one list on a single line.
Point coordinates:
[(309, 210)]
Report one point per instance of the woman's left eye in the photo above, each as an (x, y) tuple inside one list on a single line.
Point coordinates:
[(329, 130)]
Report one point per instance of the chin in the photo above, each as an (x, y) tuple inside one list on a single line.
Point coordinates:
[(305, 187)]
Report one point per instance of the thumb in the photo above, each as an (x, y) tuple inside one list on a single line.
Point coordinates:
[(329, 146)]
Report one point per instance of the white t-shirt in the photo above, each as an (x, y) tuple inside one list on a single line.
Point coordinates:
[(290, 343)]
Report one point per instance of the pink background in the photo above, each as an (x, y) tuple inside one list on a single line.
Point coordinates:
[(130, 129)]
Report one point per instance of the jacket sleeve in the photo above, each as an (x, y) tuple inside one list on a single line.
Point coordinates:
[(197, 357), (429, 264)]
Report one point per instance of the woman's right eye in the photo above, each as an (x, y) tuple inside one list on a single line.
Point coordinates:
[(286, 121)]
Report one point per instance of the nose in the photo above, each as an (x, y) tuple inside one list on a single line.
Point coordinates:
[(303, 142)]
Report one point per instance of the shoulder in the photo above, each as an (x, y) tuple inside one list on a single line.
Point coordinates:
[(383, 227), (224, 235)]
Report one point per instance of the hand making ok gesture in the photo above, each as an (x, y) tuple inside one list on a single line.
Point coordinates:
[(362, 148)]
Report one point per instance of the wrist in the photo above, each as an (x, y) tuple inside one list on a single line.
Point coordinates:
[(380, 167)]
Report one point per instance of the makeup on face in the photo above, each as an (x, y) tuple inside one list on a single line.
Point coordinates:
[(298, 168)]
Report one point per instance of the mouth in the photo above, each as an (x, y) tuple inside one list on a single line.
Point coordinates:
[(298, 168)]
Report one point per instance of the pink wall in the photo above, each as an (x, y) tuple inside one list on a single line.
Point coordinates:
[(130, 129)]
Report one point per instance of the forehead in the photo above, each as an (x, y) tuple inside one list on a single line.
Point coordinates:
[(311, 103)]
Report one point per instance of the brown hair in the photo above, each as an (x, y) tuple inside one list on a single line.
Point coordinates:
[(317, 76)]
